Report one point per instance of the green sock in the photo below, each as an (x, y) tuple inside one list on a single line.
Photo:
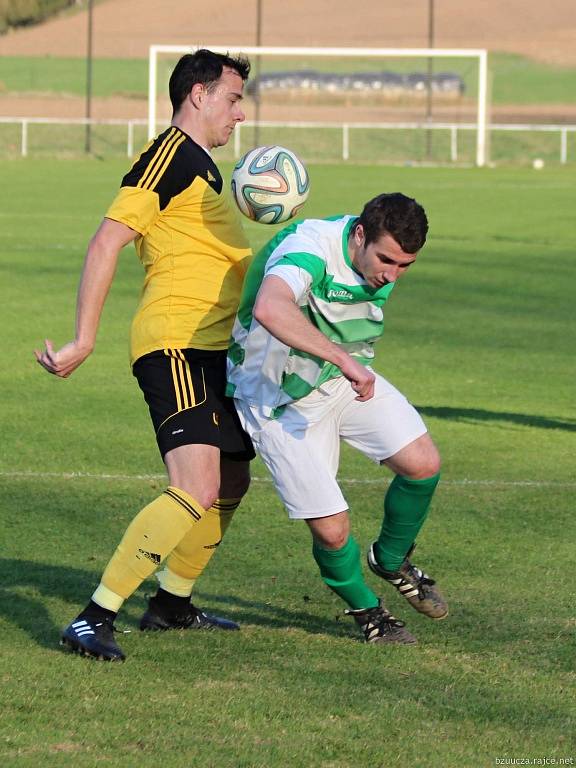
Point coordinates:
[(341, 571), (405, 509)]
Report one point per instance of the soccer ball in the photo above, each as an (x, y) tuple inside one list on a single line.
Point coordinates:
[(270, 184)]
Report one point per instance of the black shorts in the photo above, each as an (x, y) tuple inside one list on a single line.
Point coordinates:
[(185, 392)]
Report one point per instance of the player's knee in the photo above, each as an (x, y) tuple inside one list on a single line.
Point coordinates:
[(423, 462), (235, 479), (205, 495), (428, 467), (431, 464), (335, 540), (331, 532)]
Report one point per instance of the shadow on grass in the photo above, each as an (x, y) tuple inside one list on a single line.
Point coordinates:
[(26, 586), (274, 616), (470, 415)]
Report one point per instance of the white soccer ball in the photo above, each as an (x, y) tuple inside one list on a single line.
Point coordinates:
[(538, 163), (270, 184)]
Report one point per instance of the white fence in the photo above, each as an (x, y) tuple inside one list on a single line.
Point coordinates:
[(346, 130), (25, 122), (453, 128)]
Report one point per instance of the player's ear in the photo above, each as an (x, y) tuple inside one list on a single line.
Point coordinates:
[(359, 235), (196, 95)]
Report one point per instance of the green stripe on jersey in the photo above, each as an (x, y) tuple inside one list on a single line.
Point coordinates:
[(236, 353), (338, 302), (347, 331), (344, 293), (255, 275), (315, 266)]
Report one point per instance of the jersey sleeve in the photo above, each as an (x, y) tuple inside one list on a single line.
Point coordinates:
[(165, 168), (298, 279), (309, 262), (135, 207)]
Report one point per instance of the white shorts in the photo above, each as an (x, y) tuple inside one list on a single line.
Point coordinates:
[(301, 448)]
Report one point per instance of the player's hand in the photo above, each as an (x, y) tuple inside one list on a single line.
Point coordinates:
[(361, 379), (64, 361)]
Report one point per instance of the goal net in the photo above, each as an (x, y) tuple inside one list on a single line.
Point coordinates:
[(365, 105)]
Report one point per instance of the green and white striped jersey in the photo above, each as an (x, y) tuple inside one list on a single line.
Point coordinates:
[(312, 257)]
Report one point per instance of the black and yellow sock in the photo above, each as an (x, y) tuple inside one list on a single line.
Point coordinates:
[(193, 553), (406, 506), (342, 572), (148, 540)]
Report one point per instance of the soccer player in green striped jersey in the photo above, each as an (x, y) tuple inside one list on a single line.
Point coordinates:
[(299, 371)]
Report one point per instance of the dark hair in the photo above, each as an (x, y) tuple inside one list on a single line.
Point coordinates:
[(396, 215), (204, 67)]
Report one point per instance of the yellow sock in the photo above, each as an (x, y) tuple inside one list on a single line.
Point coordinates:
[(148, 540), (191, 556), (107, 599), (176, 585)]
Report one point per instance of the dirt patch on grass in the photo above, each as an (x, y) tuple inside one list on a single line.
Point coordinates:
[(137, 109)]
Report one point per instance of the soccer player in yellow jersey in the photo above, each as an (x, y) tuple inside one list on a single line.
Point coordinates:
[(187, 234)]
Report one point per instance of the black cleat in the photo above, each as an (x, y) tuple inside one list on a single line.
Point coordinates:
[(92, 636), (379, 626), (193, 618), (413, 584)]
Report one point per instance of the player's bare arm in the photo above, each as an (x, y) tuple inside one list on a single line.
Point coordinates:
[(277, 311), (97, 275)]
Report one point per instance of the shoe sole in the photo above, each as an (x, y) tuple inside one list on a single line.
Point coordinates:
[(387, 640), (203, 628), (423, 612), (79, 650), (153, 628), (148, 623)]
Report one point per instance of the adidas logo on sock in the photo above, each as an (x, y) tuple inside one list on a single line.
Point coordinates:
[(151, 556)]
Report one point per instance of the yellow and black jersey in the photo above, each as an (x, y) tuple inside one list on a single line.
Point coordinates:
[(190, 242)]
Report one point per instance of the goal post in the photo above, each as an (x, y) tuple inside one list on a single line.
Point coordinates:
[(479, 55)]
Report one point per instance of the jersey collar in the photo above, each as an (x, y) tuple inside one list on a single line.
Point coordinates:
[(345, 237)]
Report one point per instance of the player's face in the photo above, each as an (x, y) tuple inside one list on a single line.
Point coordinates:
[(380, 262), (221, 108)]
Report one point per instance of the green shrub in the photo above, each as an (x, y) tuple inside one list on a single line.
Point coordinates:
[(19, 13)]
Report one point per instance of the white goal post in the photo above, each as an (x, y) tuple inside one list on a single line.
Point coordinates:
[(471, 53)]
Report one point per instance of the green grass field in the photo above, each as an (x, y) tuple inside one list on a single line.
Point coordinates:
[(480, 336)]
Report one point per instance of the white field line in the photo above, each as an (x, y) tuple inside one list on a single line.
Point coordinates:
[(343, 480)]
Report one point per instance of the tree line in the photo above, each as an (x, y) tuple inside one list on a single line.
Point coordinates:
[(22, 13)]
